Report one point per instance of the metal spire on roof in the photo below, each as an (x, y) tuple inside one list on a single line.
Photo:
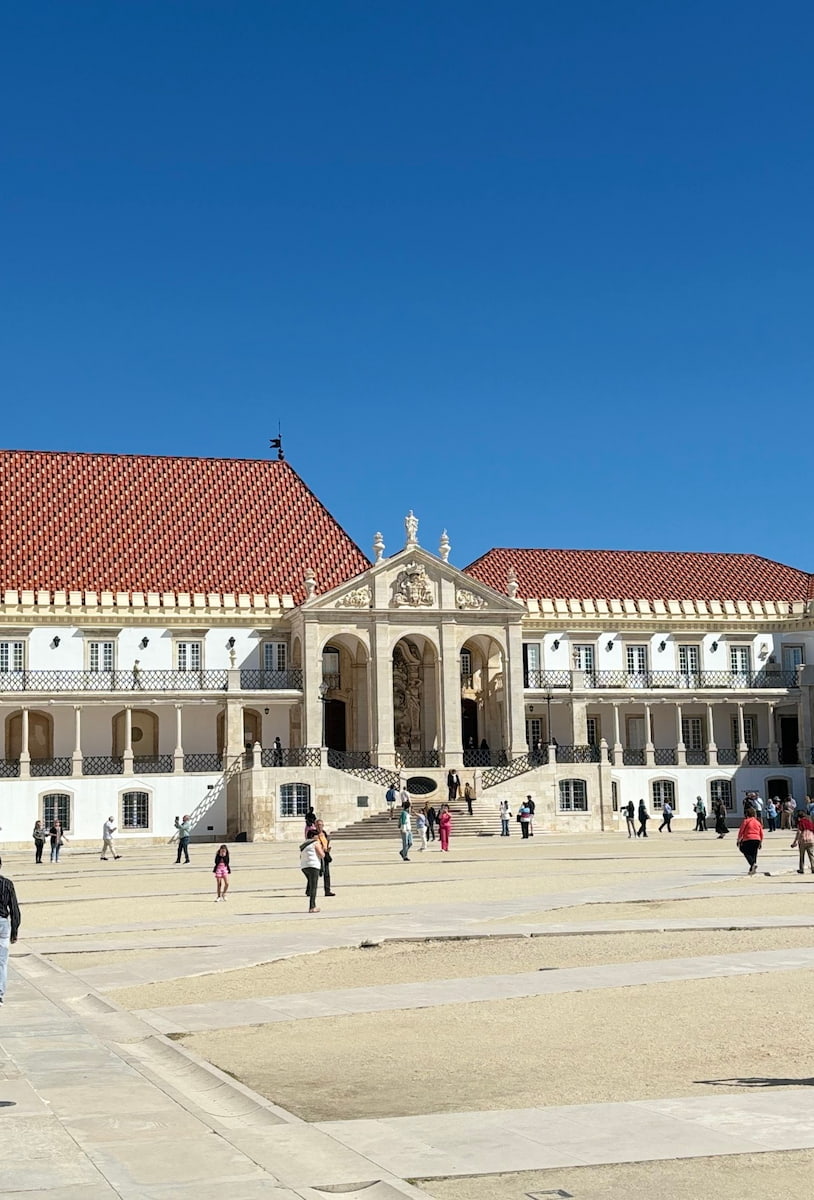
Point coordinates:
[(277, 444)]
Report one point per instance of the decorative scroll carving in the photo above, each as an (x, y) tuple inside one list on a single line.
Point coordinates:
[(359, 598), (413, 588), (467, 599)]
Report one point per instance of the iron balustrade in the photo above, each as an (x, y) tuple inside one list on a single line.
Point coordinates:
[(758, 756), (665, 756), (477, 758), (50, 768), (153, 764), (113, 681), (102, 764), (577, 754), (344, 760), (727, 756), (202, 762), (508, 770), (547, 679), (645, 680), (294, 756), (696, 758), (252, 680), (9, 768), (418, 758), (633, 758)]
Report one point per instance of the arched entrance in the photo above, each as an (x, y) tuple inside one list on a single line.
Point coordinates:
[(144, 733), (40, 735), (415, 700), (483, 710), (346, 722)]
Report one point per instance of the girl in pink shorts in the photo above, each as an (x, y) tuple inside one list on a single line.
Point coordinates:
[(222, 871)]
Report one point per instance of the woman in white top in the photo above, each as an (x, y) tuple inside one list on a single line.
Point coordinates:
[(311, 855)]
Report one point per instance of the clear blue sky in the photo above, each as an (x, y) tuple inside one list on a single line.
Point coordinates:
[(541, 270)]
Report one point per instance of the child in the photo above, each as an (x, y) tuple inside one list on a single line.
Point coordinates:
[(222, 871)]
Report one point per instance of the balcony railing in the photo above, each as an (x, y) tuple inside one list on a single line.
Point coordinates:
[(271, 681), (577, 754), (294, 756), (665, 756), (728, 756), (653, 680), (153, 764), (9, 768), (102, 764), (418, 758), (203, 762), (50, 768), (758, 756), (349, 760), (113, 681), (634, 758), (696, 758)]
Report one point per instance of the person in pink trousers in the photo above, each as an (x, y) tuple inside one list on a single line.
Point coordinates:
[(445, 826)]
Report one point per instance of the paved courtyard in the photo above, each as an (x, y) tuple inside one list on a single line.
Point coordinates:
[(573, 1015)]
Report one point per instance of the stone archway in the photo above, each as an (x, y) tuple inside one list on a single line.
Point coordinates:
[(483, 690), (345, 672), (144, 733), (40, 735)]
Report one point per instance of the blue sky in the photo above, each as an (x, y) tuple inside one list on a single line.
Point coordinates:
[(541, 271)]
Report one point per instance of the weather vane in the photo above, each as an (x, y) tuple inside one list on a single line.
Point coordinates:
[(277, 444)]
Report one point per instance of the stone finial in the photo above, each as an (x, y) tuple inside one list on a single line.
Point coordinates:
[(411, 529), (512, 585), (444, 547), (310, 583), (378, 546)]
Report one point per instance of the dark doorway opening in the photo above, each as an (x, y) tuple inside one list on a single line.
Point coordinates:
[(335, 736), (788, 740), (777, 789), (469, 724)]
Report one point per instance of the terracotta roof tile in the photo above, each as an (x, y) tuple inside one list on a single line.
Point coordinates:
[(641, 575), (126, 522)]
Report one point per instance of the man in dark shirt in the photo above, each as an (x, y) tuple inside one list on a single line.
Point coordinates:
[(9, 924)]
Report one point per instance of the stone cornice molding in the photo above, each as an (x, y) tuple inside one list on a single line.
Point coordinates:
[(84, 607)]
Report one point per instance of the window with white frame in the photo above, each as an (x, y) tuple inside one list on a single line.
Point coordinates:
[(740, 660), (275, 656), (584, 658), (295, 799), (188, 656), (100, 656), (573, 795), (749, 731), (466, 664), (664, 792), (636, 660), (12, 656), (330, 666), (721, 790), (534, 731), (532, 663), (135, 810), (56, 805), (793, 657), (594, 730), (692, 733), (689, 660)]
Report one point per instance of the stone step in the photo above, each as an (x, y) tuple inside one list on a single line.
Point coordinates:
[(484, 820)]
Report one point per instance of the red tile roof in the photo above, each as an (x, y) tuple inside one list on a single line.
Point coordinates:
[(128, 522), (641, 575)]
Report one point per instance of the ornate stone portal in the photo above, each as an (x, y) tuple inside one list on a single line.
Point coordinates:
[(413, 588), (407, 695)]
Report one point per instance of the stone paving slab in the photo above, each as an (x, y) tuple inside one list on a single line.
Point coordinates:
[(198, 1018)]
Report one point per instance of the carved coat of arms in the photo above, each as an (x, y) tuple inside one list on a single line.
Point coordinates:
[(413, 588)]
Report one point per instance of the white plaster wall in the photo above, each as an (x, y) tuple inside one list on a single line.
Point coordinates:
[(634, 783)]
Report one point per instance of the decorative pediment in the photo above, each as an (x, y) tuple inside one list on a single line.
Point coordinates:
[(412, 588)]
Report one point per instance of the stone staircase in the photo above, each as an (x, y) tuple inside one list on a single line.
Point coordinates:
[(484, 820)]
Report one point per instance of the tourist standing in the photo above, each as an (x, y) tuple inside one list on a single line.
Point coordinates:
[(432, 817), (390, 801), (505, 817), (108, 829), (721, 827), (421, 827), (327, 858), (469, 796), (804, 841), (445, 826), (453, 786), (666, 816), (278, 752), (311, 855), (750, 839), (56, 835), (9, 925), (183, 828), (629, 810), (405, 830), (222, 871), (700, 816), (757, 805), (644, 817), (771, 815), (524, 817), (39, 835), (530, 805)]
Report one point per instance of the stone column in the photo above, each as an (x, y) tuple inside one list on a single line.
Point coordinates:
[(178, 753), (76, 757), (774, 755), (451, 738), (127, 754), (313, 717), (742, 747), (25, 757), (649, 748), (514, 692), (681, 749), (804, 733), (712, 749), (617, 742), (234, 732), (381, 664), (579, 722)]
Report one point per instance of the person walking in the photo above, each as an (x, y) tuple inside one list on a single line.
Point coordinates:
[(505, 817), (390, 801), (644, 817), (39, 835), (108, 829), (445, 826), (804, 841), (629, 810), (453, 786), (183, 828), (700, 816), (524, 817), (327, 857), (785, 814), (750, 839), (771, 815), (222, 871), (405, 830), (277, 755), (666, 816), (311, 855), (721, 827), (9, 926), (56, 835), (530, 805), (421, 827), (469, 796), (432, 817)]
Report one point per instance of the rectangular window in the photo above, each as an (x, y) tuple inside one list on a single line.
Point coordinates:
[(637, 660), (295, 799), (793, 657), (584, 659), (188, 656), (749, 731), (740, 661), (275, 656), (100, 656), (573, 795), (664, 792), (636, 739), (56, 805), (594, 728), (11, 656), (692, 733), (534, 731), (689, 660), (721, 789), (531, 664), (136, 810)]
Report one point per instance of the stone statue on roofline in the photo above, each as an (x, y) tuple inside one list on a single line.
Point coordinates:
[(411, 529)]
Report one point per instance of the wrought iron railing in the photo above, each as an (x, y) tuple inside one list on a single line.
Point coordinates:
[(696, 758), (633, 758), (344, 760), (508, 770), (727, 756), (548, 679), (758, 756), (293, 756), (113, 681), (252, 680), (203, 762), (644, 680), (664, 756), (50, 768), (418, 758), (153, 764), (9, 768), (102, 764), (479, 758), (577, 754)]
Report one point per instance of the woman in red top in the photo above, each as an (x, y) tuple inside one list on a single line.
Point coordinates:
[(445, 826), (750, 839)]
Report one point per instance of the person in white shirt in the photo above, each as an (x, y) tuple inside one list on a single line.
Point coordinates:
[(108, 829), (505, 817), (311, 856)]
